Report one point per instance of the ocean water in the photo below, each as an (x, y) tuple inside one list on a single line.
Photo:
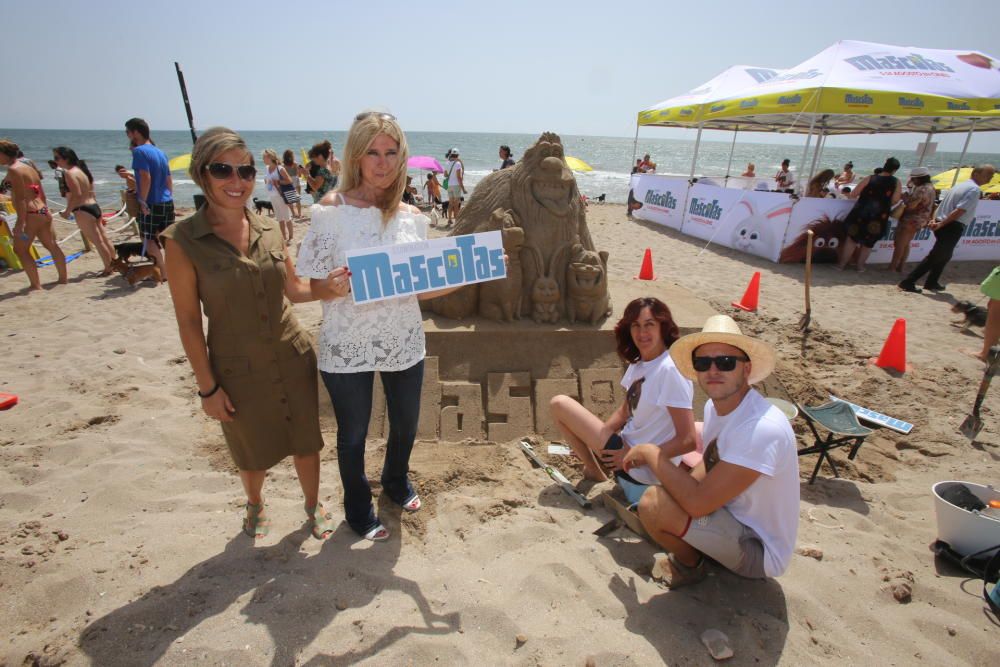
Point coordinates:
[(611, 157)]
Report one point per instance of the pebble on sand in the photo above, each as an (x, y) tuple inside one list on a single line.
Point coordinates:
[(717, 644), (810, 551)]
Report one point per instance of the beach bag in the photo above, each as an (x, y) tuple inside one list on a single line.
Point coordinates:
[(288, 193), (444, 183)]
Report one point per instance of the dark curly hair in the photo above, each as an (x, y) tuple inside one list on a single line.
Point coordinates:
[(625, 346)]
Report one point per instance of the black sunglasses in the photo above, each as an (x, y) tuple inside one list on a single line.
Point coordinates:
[(724, 363), (381, 114), (223, 170)]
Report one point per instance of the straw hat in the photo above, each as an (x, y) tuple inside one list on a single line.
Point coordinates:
[(919, 171), (723, 329)]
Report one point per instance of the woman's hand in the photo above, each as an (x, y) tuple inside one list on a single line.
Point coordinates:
[(640, 455), (218, 406), (612, 458), (337, 284)]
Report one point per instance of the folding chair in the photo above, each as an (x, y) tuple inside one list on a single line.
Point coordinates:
[(839, 419)]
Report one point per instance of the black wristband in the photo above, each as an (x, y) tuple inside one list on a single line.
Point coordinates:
[(210, 391)]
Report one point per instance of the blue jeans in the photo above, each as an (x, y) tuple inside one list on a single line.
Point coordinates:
[(351, 394)]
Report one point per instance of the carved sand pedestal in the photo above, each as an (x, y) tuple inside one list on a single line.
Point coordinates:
[(490, 381)]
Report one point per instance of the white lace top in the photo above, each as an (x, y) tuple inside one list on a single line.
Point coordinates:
[(383, 336)]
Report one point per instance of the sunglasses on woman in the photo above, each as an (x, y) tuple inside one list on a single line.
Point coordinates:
[(223, 170), (380, 114), (724, 363)]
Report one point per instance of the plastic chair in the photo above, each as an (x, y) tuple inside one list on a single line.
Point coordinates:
[(839, 419)]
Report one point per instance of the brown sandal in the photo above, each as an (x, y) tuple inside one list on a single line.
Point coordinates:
[(675, 574)]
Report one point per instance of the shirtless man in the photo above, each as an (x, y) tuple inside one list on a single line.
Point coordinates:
[(33, 217)]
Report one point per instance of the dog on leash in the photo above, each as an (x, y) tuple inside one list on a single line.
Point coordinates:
[(262, 205), (972, 315), (129, 249), (136, 273)]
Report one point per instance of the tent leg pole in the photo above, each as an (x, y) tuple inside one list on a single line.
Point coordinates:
[(731, 149), (965, 149), (923, 151), (635, 146), (694, 161), (805, 149), (812, 165)]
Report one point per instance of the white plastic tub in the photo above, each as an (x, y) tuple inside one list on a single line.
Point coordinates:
[(967, 532)]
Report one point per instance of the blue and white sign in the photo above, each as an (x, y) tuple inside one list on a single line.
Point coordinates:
[(390, 272), (878, 418)]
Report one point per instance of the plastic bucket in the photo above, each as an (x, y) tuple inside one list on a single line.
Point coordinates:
[(966, 532)]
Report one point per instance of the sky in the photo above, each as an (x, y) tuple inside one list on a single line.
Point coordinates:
[(581, 67)]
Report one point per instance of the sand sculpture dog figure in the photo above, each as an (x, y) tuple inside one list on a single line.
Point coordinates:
[(542, 195), (587, 296), (501, 299)]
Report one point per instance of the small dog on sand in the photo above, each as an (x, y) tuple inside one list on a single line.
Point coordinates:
[(135, 273), (262, 205), (128, 249), (972, 315)]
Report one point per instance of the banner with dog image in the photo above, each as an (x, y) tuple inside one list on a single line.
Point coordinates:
[(390, 272), (745, 220), (658, 199)]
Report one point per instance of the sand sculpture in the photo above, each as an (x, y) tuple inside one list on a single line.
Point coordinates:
[(555, 273)]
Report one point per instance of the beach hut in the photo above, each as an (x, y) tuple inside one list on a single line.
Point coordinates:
[(852, 87)]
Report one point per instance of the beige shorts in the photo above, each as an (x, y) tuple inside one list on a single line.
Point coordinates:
[(455, 193), (724, 539)]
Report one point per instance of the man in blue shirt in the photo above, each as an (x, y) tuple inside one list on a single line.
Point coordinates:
[(957, 209), (154, 189)]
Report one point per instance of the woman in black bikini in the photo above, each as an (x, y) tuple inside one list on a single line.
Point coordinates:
[(81, 203), (33, 217)]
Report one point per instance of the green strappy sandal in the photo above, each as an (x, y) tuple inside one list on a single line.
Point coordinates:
[(255, 524), (322, 521)]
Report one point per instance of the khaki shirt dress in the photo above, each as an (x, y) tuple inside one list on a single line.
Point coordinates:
[(259, 353)]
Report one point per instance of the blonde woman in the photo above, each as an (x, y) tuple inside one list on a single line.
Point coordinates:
[(355, 341), (278, 181), (256, 370)]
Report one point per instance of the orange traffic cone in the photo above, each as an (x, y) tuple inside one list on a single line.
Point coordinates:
[(646, 272), (750, 297), (893, 353)]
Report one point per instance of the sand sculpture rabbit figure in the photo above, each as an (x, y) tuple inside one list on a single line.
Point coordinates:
[(501, 299), (546, 297), (587, 296)]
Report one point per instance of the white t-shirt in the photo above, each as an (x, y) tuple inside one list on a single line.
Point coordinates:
[(784, 179), (662, 387), (382, 336), (452, 171), (757, 435)]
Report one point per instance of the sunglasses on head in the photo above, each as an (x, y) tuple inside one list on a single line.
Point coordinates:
[(223, 170), (724, 363), (380, 114)]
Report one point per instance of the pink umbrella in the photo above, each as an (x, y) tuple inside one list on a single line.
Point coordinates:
[(425, 162)]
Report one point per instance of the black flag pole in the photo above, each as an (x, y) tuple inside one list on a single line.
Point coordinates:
[(187, 103)]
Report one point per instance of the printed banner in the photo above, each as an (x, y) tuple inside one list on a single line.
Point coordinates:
[(745, 220), (658, 199), (390, 272), (981, 239)]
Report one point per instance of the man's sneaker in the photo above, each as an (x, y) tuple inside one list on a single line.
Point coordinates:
[(936, 287), (909, 287)]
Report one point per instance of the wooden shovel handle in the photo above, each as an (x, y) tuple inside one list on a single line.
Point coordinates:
[(809, 264)]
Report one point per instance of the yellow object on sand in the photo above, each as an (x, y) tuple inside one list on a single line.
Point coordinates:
[(576, 164), (180, 163), (7, 247), (943, 180)]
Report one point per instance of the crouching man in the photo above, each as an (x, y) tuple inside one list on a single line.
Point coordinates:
[(740, 505)]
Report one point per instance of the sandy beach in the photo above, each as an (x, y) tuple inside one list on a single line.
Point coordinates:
[(120, 540)]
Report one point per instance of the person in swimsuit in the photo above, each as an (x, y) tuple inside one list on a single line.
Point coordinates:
[(33, 217), (288, 161), (82, 205)]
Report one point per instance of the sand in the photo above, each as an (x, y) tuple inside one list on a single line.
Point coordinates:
[(120, 538)]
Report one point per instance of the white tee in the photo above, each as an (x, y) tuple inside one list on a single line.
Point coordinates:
[(452, 171), (757, 435), (382, 336), (662, 387)]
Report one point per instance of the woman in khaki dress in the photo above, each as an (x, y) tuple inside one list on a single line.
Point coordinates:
[(256, 371)]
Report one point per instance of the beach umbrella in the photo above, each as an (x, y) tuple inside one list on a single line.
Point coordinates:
[(180, 163), (944, 180), (576, 164), (425, 162), (305, 156)]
